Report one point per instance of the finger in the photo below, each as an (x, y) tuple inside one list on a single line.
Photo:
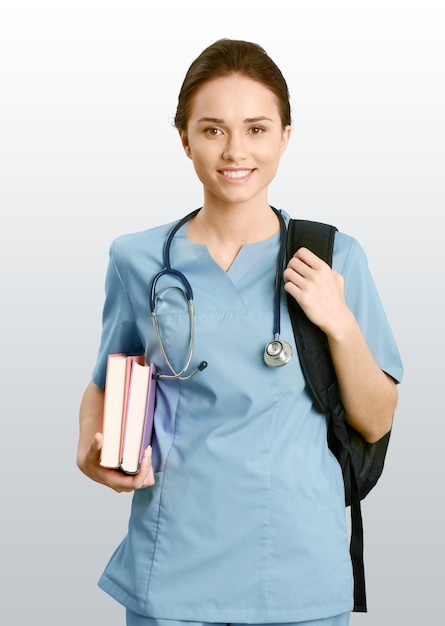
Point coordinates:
[(298, 268), (307, 257), (295, 274), (93, 452), (292, 289), (124, 483), (146, 473)]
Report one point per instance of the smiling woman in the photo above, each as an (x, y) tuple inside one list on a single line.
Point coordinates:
[(235, 138), (238, 508)]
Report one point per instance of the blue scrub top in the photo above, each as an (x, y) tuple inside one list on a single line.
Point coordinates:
[(246, 522)]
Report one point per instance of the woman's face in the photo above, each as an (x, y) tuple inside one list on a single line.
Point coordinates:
[(235, 139)]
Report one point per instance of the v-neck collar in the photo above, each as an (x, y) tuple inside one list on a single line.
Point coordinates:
[(248, 255)]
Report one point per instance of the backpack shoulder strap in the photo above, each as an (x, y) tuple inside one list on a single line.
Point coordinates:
[(318, 369), (311, 341), (316, 236)]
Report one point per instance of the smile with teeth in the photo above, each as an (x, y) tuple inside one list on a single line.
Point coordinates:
[(236, 173)]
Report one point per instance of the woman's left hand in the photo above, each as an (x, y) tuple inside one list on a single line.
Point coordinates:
[(317, 288)]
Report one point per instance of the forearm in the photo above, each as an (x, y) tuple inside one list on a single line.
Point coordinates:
[(90, 421), (369, 396)]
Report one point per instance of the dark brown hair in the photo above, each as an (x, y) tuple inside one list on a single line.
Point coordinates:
[(226, 57)]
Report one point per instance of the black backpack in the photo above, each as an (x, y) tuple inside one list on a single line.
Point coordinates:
[(361, 462)]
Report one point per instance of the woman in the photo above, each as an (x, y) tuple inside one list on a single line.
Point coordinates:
[(238, 511)]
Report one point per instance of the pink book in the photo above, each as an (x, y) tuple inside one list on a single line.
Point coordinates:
[(138, 427), (131, 359), (114, 399)]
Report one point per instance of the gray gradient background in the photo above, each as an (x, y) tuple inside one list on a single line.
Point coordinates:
[(87, 152)]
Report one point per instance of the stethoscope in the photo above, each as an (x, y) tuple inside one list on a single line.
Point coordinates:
[(276, 353)]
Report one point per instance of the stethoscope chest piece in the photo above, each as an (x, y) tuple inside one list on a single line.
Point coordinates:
[(277, 353)]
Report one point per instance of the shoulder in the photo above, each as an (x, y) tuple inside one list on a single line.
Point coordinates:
[(347, 249), (129, 242), (139, 253), (132, 248), (347, 252)]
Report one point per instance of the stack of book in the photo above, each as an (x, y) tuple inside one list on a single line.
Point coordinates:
[(129, 402)]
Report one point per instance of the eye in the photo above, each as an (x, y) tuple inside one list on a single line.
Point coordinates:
[(212, 131), (256, 130)]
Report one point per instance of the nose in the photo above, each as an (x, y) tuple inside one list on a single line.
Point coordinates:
[(234, 148)]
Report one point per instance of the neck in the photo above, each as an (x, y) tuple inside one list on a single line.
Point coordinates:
[(224, 233), (235, 225)]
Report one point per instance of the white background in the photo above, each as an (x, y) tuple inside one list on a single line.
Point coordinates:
[(87, 152)]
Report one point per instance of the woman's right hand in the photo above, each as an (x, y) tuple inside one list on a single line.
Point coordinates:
[(90, 443), (114, 478)]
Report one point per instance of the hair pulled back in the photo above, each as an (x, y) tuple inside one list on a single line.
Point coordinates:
[(226, 57)]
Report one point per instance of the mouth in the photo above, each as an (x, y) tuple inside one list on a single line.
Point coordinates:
[(235, 174)]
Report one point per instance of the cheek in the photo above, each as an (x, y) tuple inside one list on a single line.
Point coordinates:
[(201, 167), (205, 156), (270, 154)]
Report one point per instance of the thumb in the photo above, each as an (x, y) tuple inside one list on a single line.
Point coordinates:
[(98, 441)]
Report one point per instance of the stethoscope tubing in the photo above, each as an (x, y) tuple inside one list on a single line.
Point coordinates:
[(167, 264), (168, 270), (279, 275)]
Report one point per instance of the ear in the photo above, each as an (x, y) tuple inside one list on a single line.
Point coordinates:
[(185, 143), (285, 138)]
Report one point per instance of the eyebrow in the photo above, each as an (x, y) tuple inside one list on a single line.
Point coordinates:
[(248, 120)]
